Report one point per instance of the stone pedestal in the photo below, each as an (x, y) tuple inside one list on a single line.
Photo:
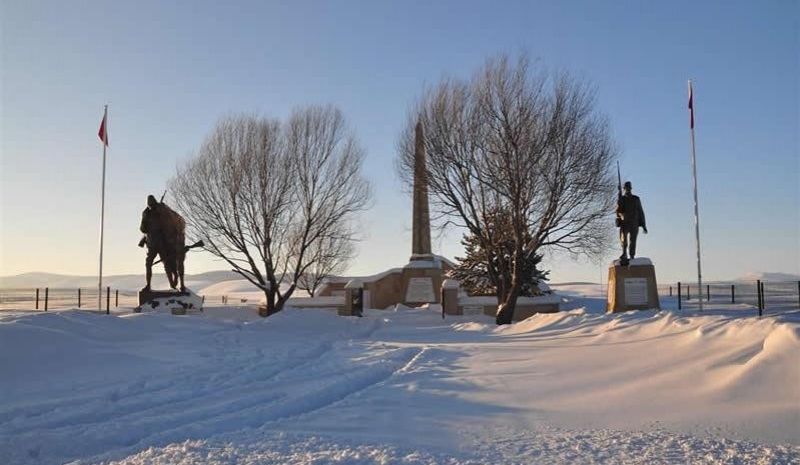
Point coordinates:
[(150, 295), (353, 299), (632, 287), (176, 302), (450, 297)]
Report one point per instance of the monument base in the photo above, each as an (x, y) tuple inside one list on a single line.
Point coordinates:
[(632, 287), (421, 281), (176, 302)]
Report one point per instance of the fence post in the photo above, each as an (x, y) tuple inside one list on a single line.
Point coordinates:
[(79, 297), (679, 295), (46, 294), (116, 298), (733, 292), (763, 298), (37, 298), (670, 291), (108, 300), (758, 293), (688, 292), (708, 293)]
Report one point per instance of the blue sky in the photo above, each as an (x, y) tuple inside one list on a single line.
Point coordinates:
[(170, 70)]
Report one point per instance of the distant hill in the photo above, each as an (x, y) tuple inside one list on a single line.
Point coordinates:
[(232, 287), (573, 283), (767, 276), (126, 282), (226, 282)]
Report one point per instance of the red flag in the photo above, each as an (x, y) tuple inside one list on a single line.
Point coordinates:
[(102, 132), (691, 107)]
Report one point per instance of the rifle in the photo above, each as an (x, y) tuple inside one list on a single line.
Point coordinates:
[(619, 195), (165, 192), (186, 248)]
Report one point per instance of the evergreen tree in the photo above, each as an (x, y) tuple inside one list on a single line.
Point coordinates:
[(483, 269)]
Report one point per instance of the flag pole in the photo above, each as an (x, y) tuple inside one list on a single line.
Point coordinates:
[(696, 214), (104, 130)]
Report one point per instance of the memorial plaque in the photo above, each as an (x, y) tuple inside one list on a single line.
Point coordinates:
[(420, 290), (636, 291), (472, 310)]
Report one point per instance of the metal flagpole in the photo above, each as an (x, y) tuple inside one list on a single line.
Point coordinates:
[(102, 207), (696, 214)]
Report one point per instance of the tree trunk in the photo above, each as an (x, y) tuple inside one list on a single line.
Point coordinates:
[(280, 304), (275, 305), (270, 307), (505, 312)]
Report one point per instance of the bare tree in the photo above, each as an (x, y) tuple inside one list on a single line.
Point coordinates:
[(264, 195), (331, 257), (523, 142)]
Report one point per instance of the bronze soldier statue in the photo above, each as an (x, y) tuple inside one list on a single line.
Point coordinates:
[(630, 216), (164, 231)]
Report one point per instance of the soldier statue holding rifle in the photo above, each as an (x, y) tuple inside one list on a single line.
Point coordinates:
[(630, 217), (165, 235)]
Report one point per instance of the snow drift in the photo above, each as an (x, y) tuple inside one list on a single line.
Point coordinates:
[(404, 387)]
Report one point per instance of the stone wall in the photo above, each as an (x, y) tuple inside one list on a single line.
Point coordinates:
[(385, 291)]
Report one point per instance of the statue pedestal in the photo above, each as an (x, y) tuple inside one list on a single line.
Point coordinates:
[(632, 287), (150, 295), (176, 302), (353, 299)]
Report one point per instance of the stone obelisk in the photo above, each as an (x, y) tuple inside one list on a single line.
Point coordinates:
[(421, 221)]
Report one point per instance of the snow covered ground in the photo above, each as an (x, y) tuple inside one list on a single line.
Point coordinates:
[(401, 387)]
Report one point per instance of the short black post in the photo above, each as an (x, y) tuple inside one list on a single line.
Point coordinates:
[(670, 291), (116, 298), (442, 301), (758, 294), (688, 292), (679, 295), (108, 300), (79, 297), (37, 298), (46, 295), (708, 293), (763, 298), (733, 294)]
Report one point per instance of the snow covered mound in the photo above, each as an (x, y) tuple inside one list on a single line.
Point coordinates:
[(399, 387)]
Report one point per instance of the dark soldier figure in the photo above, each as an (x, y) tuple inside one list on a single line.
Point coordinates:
[(164, 236), (153, 238), (630, 217)]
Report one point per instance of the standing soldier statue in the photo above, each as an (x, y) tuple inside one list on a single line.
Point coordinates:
[(630, 216)]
